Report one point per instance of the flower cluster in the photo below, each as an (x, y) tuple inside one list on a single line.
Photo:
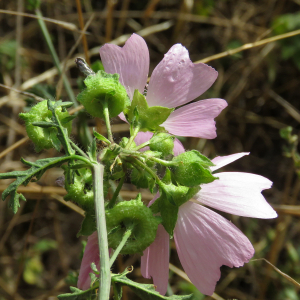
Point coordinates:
[(204, 240)]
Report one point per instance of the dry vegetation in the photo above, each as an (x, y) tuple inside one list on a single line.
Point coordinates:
[(38, 245)]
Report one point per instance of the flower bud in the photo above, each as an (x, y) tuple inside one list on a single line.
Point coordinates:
[(103, 87), (131, 213), (80, 187), (42, 137), (192, 168), (162, 142)]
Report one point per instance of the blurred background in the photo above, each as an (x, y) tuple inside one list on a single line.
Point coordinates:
[(39, 252)]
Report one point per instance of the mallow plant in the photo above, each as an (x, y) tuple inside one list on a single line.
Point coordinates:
[(184, 183)]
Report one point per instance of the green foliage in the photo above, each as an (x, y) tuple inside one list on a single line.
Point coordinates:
[(40, 126), (192, 169), (290, 48), (7, 55), (142, 179), (37, 169), (144, 291), (34, 268), (97, 66), (101, 88), (144, 117), (123, 216), (171, 198), (78, 294)]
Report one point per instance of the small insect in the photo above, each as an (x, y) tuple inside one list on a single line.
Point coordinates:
[(83, 67)]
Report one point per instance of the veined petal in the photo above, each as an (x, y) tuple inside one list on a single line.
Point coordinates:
[(239, 194), (205, 241), (91, 254), (155, 261), (176, 80), (143, 137), (131, 62), (221, 161), (196, 119)]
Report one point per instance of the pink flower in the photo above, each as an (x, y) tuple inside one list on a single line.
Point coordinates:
[(174, 82), (91, 254), (205, 240)]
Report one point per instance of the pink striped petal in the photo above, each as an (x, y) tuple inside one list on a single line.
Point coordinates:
[(221, 161), (239, 194), (91, 254), (196, 119), (205, 241), (143, 137), (176, 80), (155, 261), (130, 61)]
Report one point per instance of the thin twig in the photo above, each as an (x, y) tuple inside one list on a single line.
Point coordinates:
[(14, 146), (82, 27), (64, 67), (35, 97), (249, 46), (66, 25)]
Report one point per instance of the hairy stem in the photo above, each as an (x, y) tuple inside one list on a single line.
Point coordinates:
[(104, 279), (132, 137), (141, 146), (114, 198), (126, 236), (107, 121)]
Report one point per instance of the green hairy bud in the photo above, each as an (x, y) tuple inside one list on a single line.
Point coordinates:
[(80, 187), (162, 142), (131, 213), (103, 87), (192, 169), (43, 137)]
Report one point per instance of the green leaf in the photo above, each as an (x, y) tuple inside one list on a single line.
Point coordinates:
[(171, 198), (78, 294), (147, 118), (117, 291), (55, 140), (101, 137), (37, 169), (144, 291), (67, 119), (169, 214), (92, 150), (88, 225), (44, 124)]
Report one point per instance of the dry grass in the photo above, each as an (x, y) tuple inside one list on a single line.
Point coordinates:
[(263, 93)]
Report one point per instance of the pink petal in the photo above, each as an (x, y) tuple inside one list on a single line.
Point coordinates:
[(155, 261), (205, 241), (239, 194), (176, 80), (130, 61), (221, 161), (91, 254), (196, 119), (143, 137)]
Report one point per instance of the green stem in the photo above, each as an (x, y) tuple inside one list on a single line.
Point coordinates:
[(141, 146), (145, 167), (54, 56), (126, 236), (104, 279), (78, 149), (132, 137), (114, 198), (161, 161), (107, 121)]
